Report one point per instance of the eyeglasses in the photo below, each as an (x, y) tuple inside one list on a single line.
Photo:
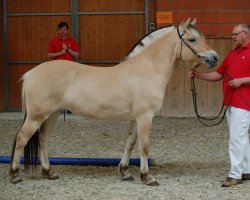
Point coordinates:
[(235, 34)]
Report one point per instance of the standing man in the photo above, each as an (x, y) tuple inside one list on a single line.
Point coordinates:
[(235, 73), (63, 47)]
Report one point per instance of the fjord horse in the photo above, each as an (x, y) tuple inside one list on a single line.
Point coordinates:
[(133, 90)]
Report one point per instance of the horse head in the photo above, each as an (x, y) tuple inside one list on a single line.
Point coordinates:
[(193, 46)]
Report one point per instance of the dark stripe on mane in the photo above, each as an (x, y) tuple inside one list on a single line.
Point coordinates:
[(140, 43)]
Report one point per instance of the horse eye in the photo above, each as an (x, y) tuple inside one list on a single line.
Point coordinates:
[(191, 40)]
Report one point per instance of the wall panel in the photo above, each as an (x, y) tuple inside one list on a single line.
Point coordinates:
[(35, 6), (28, 36), (111, 5), (109, 37), (15, 84), (1, 59)]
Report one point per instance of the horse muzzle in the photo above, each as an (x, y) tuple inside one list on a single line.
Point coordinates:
[(210, 59)]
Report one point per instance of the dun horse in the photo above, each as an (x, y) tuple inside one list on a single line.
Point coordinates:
[(133, 91)]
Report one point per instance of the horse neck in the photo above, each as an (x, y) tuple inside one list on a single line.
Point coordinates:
[(161, 56)]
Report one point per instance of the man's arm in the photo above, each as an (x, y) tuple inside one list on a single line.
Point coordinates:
[(53, 55), (210, 76)]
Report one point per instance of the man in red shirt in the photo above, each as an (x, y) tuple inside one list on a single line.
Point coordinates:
[(235, 73), (63, 47)]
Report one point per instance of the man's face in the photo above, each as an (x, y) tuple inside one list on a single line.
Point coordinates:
[(63, 32), (239, 36)]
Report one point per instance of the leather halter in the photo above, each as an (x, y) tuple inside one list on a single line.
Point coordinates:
[(182, 40)]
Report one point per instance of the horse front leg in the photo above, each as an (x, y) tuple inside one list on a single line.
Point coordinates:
[(123, 165), (143, 126), (45, 133)]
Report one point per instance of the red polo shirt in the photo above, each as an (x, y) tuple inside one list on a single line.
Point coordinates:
[(55, 46), (236, 65)]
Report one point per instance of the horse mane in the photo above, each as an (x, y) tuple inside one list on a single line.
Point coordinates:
[(147, 40)]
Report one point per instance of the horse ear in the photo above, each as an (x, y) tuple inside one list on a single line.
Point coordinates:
[(193, 22), (183, 26)]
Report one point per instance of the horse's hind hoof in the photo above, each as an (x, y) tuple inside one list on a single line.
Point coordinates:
[(49, 174), (153, 183), (149, 180), (53, 176), (16, 180), (128, 177)]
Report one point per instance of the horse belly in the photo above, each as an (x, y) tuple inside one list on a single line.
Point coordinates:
[(106, 112)]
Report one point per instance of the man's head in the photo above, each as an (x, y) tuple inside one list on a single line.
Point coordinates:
[(241, 34), (63, 29)]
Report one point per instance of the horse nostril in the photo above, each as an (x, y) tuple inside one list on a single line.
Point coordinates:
[(216, 58)]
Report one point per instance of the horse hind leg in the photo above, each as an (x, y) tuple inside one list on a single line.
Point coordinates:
[(123, 165), (28, 129), (45, 132)]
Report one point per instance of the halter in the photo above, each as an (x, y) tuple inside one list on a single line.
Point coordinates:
[(182, 40)]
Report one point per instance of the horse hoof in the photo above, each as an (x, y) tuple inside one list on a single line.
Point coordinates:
[(16, 180), (149, 180), (49, 175), (153, 183), (53, 176), (128, 177)]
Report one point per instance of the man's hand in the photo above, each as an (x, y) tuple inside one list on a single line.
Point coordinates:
[(64, 46), (192, 74), (235, 83)]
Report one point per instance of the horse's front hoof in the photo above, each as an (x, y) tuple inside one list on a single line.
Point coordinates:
[(49, 174), (16, 179)]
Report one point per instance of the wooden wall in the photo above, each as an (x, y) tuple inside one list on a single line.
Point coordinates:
[(1, 58), (109, 37)]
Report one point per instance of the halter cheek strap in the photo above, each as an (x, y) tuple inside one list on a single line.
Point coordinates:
[(180, 36)]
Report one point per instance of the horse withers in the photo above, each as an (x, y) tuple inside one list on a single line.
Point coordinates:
[(133, 90)]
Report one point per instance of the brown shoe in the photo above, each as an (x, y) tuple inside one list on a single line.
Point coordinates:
[(245, 177), (231, 182)]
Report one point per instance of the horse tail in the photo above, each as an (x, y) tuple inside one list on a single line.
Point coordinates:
[(31, 151)]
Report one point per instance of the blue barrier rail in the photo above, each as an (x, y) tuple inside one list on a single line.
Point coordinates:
[(83, 161)]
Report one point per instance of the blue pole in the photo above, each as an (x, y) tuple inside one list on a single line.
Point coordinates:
[(83, 161)]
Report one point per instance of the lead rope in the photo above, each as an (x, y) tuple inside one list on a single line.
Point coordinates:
[(201, 118)]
